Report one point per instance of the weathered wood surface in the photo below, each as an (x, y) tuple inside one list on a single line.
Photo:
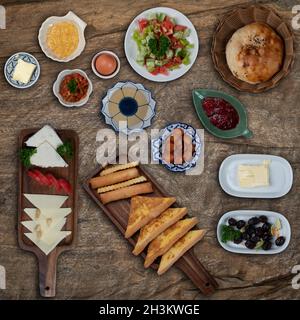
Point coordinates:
[(102, 267)]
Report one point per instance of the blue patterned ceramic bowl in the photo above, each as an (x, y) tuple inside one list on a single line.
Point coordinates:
[(128, 107), (11, 64), (156, 145)]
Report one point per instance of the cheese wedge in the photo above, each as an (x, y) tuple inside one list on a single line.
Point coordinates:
[(251, 176), (48, 244), (46, 156), (44, 214), (47, 133), (44, 226), (143, 210), (23, 71), (165, 240), (179, 249), (155, 227), (42, 201)]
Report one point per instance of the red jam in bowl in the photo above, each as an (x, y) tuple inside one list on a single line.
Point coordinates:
[(220, 113)]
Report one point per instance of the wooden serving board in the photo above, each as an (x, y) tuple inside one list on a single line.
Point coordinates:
[(47, 264), (118, 213)]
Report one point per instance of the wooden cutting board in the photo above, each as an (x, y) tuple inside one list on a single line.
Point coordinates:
[(47, 264), (118, 213)]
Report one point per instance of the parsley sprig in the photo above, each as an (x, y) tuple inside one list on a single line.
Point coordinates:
[(65, 150), (72, 85), (25, 155)]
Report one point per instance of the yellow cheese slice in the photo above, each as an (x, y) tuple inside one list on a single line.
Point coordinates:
[(251, 176), (23, 71)]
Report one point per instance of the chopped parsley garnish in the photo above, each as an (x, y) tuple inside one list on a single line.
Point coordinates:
[(159, 46), (72, 85), (25, 155), (65, 150), (228, 233)]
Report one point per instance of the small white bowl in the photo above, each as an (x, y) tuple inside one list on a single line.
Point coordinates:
[(56, 86), (110, 75), (70, 16)]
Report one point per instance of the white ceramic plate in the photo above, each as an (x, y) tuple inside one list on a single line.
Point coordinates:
[(131, 48), (281, 176), (246, 215), (70, 16), (56, 86)]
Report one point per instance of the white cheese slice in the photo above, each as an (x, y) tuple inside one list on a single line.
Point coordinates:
[(23, 71), (43, 214), (47, 133), (44, 226), (42, 201), (48, 244), (46, 156), (251, 176)]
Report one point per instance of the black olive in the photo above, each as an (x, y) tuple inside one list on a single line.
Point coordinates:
[(259, 232), (255, 239), (263, 219), (250, 229), (280, 241), (240, 224), (266, 237), (232, 222), (267, 245), (238, 240), (266, 227), (246, 236), (253, 221), (249, 244)]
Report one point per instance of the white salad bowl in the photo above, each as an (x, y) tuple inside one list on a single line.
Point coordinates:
[(70, 16), (131, 50), (56, 86)]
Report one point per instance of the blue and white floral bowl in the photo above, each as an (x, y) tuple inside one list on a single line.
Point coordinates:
[(157, 144), (10, 67), (128, 107)]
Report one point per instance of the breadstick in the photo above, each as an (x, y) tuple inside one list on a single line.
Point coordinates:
[(113, 178), (127, 183), (125, 193), (118, 167)]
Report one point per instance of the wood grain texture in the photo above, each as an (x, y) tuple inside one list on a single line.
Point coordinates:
[(101, 266)]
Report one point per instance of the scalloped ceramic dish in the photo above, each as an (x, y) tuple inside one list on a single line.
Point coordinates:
[(242, 127), (72, 17), (56, 86), (157, 145), (128, 107)]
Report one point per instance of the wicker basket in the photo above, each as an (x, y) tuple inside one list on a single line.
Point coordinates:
[(237, 19)]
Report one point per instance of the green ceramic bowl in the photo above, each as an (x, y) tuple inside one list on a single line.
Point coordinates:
[(240, 130)]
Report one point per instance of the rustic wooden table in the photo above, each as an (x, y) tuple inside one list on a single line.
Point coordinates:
[(101, 266)]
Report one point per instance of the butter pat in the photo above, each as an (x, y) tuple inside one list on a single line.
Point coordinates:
[(23, 71), (251, 176)]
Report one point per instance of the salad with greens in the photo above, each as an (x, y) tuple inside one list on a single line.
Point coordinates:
[(162, 44)]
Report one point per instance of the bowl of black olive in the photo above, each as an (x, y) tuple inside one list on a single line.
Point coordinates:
[(254, 232)]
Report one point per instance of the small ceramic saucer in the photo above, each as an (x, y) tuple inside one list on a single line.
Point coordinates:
[(10, 67)]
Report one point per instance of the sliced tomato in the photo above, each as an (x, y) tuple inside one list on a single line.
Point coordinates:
[(177, 60), (33, 175), (143, 23), (169, 65), (167, 26), (53, 181), (179, 27), (155, 71), (42, 178), (65, 185)]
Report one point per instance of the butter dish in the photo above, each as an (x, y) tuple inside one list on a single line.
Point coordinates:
[(280, 176)]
